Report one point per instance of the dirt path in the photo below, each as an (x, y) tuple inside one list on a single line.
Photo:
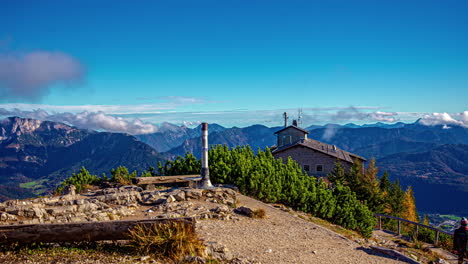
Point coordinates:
[(283, 238)]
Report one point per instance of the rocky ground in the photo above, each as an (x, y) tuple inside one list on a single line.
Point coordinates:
[(230, 235)]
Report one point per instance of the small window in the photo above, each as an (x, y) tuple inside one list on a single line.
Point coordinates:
[(319, 168), (306, 168)]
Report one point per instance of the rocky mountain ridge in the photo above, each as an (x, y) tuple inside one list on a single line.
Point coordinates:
[(43, 153)]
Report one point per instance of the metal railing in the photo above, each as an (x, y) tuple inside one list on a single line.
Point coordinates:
[(437, 231)]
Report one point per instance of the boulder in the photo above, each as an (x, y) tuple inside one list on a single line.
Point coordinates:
[(229, 201), (170, 199), (180, 196), (243, 211), (194, 193), (8, 217), (152, 199), (218, 251), (221, 209), (88, 207), (69, 190)]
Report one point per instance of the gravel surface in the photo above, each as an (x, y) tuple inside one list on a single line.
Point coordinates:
[(284, 238)]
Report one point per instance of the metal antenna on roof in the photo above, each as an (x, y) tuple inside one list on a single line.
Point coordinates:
[(299, 116), (285, 116)]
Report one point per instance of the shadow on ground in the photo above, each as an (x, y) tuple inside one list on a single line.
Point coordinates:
[(370, 251)]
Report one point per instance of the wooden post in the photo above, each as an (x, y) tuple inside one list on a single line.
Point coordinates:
[(436, 238), (84, 231), (416, 232), (399, 227), (380, 222)]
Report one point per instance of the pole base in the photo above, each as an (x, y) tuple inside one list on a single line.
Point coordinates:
[(205, 182)]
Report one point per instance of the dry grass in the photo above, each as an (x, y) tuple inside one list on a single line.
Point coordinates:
[(258, 214), (173, 240)]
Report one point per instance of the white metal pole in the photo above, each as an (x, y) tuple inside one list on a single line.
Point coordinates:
[(205, 172)]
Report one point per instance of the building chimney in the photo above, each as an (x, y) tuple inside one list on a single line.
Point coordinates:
[(295, 122), (205, 173), (285, 116)]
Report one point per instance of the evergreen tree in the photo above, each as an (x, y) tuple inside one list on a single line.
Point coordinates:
[(395, 200), (385, 186), (338, 175), (369, 188)]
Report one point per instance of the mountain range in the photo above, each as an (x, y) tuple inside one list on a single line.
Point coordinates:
[(433, 159), (41, 154)]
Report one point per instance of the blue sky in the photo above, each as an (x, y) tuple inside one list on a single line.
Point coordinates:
[(176, 61)]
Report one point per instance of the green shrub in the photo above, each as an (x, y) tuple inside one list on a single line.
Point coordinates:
[(122, 176), (79, 180), (276, 181)]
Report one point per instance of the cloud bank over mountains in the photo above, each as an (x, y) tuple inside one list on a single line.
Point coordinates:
[(145, 123), (354, 114), (458, 119), (89, 120), (31, 75)]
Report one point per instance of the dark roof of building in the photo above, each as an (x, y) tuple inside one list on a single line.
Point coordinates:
[(321, 147), (295, 127)]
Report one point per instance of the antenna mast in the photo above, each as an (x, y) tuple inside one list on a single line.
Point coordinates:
[(299, 116)]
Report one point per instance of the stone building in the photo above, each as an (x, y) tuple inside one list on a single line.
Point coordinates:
[(315, 157)]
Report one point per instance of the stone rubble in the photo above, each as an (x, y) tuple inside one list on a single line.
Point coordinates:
[(115, 203), (118, 202)]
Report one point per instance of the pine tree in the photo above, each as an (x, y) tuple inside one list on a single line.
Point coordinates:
[(385, 183), (338, 175), (369, 189), (395, 199), (385, 186)]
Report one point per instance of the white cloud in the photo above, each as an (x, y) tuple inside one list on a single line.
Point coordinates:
[(458, 119), (356, 114), (30, 76), (330, 131), (352, 114), (89, 120), (168, 103)]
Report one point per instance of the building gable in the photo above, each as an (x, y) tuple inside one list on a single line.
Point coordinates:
[(290, 135)]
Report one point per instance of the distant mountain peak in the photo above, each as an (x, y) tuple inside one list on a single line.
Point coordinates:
[(25, 125), (17, 126)]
